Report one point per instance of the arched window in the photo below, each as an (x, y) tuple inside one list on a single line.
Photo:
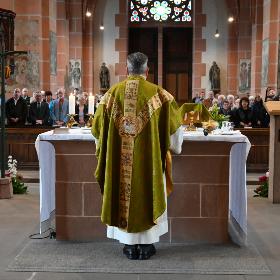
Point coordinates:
[(160, 11)]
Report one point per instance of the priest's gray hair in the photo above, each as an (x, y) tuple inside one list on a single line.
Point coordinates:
[(137, 63)]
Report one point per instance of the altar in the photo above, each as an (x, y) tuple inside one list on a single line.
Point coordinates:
[(208, 204)]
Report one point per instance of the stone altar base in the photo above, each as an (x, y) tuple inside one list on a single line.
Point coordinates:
[(6, 188), (197, 209)]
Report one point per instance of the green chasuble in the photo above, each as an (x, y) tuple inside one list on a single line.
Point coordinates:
[(133, 124)]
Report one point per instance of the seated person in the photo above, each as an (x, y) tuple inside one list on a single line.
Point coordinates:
[(269, 94), (261, 116), (16, 109), (59, 108), (225, 110), (81, 110), (39, 112), (244, 114)]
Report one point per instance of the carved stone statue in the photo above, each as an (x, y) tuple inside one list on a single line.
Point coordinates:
[(214, 77), (104, 76)]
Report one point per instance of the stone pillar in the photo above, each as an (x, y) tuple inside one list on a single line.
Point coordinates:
[(199, 46), (257, 34), (271, 32), (121, 44), (6, 188)]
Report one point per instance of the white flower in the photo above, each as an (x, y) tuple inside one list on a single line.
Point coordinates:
[(267, 174)]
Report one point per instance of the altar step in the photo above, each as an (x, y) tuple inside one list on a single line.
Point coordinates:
[(32, 176)]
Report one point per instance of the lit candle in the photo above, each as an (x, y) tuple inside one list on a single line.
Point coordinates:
[(91, 104), (72, 104)]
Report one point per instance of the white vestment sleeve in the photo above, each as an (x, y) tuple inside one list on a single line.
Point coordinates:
[(176, 141)]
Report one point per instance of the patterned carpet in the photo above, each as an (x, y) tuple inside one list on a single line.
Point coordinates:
[(56, 256)]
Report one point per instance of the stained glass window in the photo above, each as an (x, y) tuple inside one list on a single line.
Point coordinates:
[(160, 11)]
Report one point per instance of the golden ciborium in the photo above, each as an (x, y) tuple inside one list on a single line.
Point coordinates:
[(71, 120), (90, 120)]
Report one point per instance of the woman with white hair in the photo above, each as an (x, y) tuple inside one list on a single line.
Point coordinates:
[(81, 110)]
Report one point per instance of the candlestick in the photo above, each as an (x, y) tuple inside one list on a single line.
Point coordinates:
[(72, 104), (91, 100)]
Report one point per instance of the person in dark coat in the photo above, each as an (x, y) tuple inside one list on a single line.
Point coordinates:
[(16, 109), (39, 112), (261, 116), (81, 110), (225, 110), (244, 114)]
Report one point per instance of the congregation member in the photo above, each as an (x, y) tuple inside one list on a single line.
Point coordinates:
[(225, 110), (24, 94), (16, 109), (202, 96), (221, 98), (269, 94), (81, 110), (208, 102), (230, 99), (251, 101), (48, 97), (277, 96), (196, 99), (261, 116), (59, 108), (39, 112), (244, 114), (135, 139)]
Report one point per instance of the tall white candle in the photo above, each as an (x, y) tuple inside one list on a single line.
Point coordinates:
[(71, 104), (91, 99)]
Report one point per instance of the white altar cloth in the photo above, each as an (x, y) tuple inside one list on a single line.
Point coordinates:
[(237, 176)]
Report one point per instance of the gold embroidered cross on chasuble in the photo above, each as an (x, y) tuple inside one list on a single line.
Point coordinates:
[(133, 124)]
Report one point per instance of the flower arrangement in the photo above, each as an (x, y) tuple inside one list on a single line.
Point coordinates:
[(262, 190), (214, 113), (18, 186)]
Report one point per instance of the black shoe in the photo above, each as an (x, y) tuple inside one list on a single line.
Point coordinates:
[(146, 251), (131, 252)]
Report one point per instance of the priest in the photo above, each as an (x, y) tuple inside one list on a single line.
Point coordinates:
[(135, 126)]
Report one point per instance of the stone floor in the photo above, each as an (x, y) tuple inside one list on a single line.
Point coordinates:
[(19, 218)]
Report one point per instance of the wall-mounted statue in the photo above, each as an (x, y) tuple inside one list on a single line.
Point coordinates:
[(104, 76), (214, 77)]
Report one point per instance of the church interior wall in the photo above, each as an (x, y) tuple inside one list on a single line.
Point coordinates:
[(104, 41), (77, 37), (216, 48)]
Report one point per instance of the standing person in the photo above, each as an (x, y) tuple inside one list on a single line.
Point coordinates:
[(24, 94), (196, 99), (262, 118), (225, 110), (81, 110), (59, 108), (16, 109), (48, 97), (133, 125), (39, 112)]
